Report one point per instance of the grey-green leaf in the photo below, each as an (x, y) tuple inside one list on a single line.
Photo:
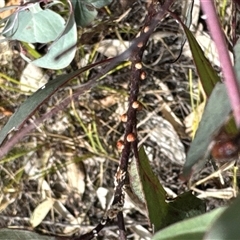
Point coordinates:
[(67, 42), (99, 3), (34, 25), (215, 115), (84, 14)]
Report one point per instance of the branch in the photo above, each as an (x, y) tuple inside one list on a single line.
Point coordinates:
[(155, 14)]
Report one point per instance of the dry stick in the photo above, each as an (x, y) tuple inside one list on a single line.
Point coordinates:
[(155, 14)]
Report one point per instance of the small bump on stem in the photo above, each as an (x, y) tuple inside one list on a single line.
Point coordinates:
[(146, 29), (138, 65), (136, 105), (120, 145), (124, 117), (143, 75), (131, 137), (140, 44)]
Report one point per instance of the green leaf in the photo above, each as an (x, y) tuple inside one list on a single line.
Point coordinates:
[(215, 114), (34, 25), (15, 234), (206, 72), (184, 206), (154, 193), (99, 3), (66, 42), (208, 76), (146, 186), (227, 225), (193, 228), (83, 13)]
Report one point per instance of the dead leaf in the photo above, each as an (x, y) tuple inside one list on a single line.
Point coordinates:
[(41, 211)]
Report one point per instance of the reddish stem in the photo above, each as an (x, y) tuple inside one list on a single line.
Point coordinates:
[(226, 65)]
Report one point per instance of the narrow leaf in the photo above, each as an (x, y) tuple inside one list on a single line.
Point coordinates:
[(154, 193), (215, 115), (206, 72)]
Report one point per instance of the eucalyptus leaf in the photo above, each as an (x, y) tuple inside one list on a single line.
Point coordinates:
[(99, 3), (85, 11), (146, 188), (153, 192), (34, 25), (65, 45), (206, 72), (84, 14), (184, 206), (215, 115)]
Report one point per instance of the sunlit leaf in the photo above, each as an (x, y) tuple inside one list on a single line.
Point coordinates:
[(41, 211), (34, 25)]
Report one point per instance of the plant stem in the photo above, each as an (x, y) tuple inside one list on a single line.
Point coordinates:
[(226, 65)]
